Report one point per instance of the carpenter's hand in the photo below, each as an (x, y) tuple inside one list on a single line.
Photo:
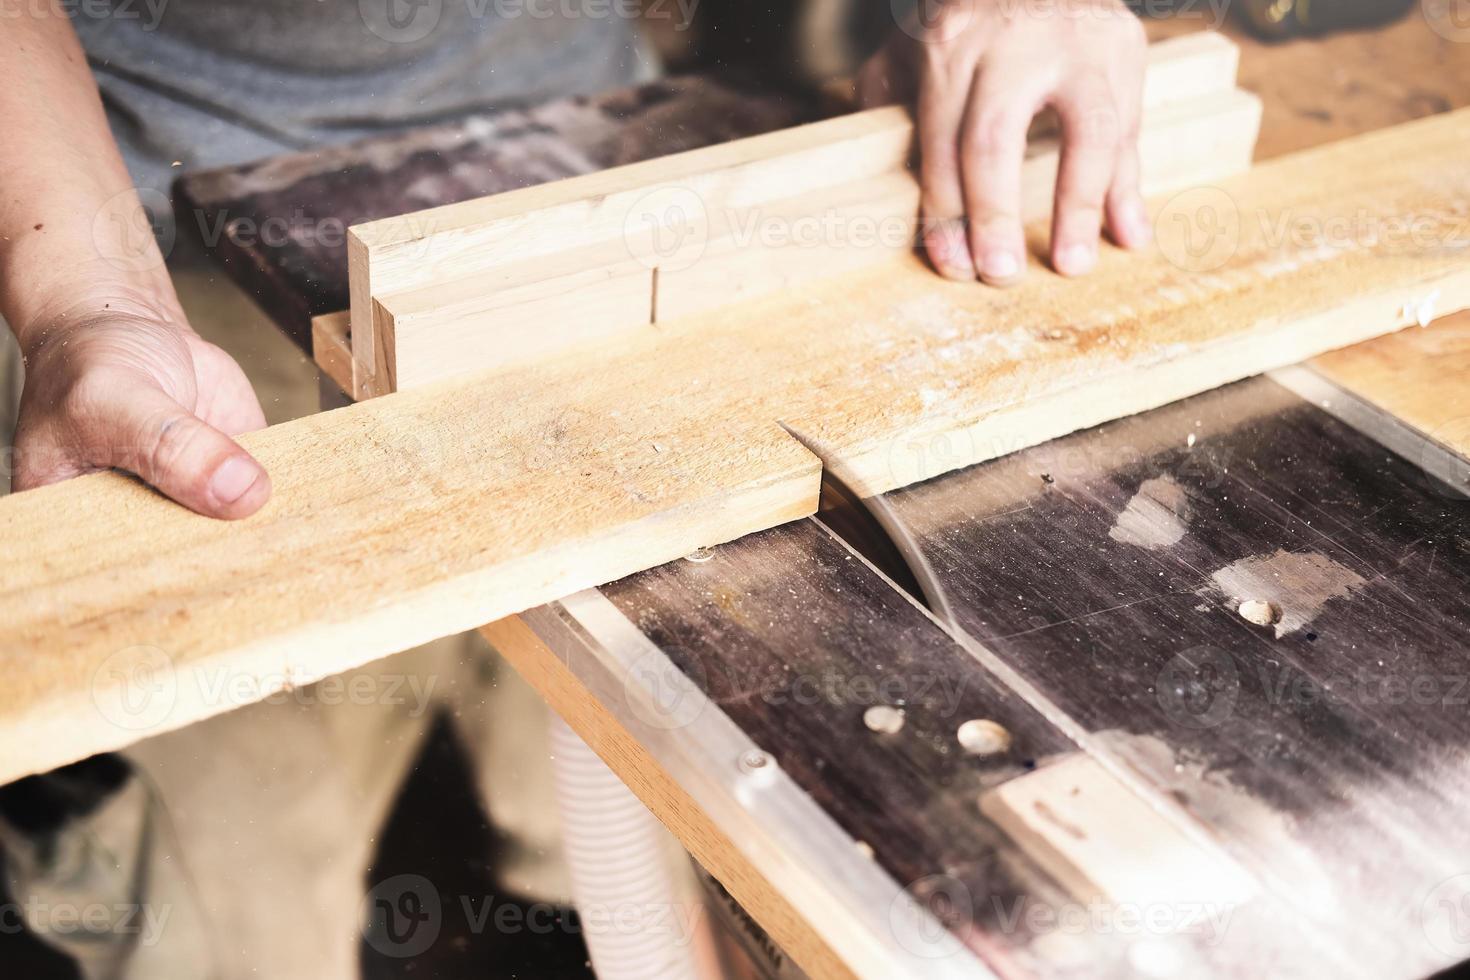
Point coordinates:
[(979, 71), (124, 382)]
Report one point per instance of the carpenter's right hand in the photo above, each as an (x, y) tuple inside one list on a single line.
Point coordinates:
[(121, 381)]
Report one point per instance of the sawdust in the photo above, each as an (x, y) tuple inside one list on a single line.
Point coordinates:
[(1258, 612), (1156, 517), (1297, 584)]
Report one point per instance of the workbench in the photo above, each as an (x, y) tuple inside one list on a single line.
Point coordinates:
[(1237, 626)]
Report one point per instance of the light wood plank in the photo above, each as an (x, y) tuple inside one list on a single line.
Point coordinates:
[(402, 519), (782, 246), (659, 213), (392, 521), (331, 349), (1418, 374), (521, 313)]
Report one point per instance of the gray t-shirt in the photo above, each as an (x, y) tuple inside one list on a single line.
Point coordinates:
[(215, 82)]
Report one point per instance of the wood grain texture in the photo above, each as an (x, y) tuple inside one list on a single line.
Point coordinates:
[(328, 189), (1320, 89), (1417, 375), (392, 522), (520, 313), (586, 256), (331, 348), (434, 511)]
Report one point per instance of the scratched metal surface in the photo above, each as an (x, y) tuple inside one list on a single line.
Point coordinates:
[(795, 638), (1329, 750), (1106, 569)]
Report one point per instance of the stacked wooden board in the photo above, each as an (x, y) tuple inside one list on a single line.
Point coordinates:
[(514, 278)]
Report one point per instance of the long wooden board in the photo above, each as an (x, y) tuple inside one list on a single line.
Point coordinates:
[(430, 512), (508, 278)]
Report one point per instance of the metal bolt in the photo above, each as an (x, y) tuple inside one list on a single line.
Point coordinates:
[(753, 761)]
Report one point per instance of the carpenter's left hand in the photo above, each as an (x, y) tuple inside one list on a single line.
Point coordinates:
[(979, 71)]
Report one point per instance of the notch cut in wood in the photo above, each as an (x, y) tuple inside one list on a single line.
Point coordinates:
[(515, 277)]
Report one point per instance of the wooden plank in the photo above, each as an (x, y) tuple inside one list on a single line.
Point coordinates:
[(659, 214), (331, 349), (518, 314), (323, 191), (1338, 84), (774, 248), (1315, 90), (400, 520), (1417, 375), (393, 521)]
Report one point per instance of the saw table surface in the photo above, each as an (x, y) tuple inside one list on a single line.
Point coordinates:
[(1094, 586), (1235, 628)]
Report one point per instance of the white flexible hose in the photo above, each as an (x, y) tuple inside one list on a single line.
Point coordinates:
[(621, 883)]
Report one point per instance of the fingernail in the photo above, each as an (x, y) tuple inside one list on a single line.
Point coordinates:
[(1075, 260), (233, 477), (1000, 266), (949, 251)]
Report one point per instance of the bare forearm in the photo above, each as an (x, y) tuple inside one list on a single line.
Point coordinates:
[(70, 223)]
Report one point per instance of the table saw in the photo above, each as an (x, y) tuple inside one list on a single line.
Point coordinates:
[(950, 730)]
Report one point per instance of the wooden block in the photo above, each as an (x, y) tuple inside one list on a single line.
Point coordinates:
[(1104, 843), (443, 330), (619, 211), (638, 211), (331, 349), (765, 250), (403, 519)]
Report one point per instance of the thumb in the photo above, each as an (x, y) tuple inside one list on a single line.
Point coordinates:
[(186, 459)]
